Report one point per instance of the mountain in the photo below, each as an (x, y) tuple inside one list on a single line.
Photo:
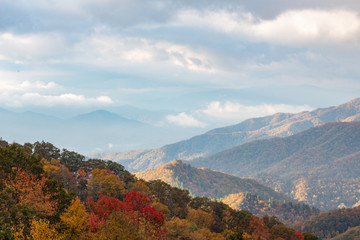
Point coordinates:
[(319, 166), (102, 117), (217, 140), (239, 193)]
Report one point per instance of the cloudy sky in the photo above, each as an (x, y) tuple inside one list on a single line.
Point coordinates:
[(206, 62)]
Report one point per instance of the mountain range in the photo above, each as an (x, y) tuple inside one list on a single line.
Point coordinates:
[(319, 166), (217, 140), (96, 131)]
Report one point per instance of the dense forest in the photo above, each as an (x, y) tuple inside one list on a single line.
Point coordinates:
[(48, 193), (238, 193), (334, 222)]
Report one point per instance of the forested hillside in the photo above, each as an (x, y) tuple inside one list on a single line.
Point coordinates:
[(238, 193), (48, 193), (319, 166), (334, 222), (217, 140)]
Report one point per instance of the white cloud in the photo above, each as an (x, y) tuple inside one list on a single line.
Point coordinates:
[(184, 120), (306, 26), (292, 27), (237, 111), (114, 50), (38, 93), (22, 48), (68, 99)]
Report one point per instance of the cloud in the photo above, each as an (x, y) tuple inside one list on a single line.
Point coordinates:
[(184, 120), (12, 86), (48, 94), (236, 111), (68, 99), (111, 49), (24, 48), (306, 26), (292, 27)]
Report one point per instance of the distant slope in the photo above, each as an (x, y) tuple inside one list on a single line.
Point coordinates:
[(319, 166), (208, 183), (239, 193), (217, 140), (332, 223), (350, 234)]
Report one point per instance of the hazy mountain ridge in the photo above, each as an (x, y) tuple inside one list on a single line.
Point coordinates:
[(319, 166), (95, 131), (239, 193), (217, 140)]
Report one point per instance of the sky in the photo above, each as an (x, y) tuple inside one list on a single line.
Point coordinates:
[(204, 63)]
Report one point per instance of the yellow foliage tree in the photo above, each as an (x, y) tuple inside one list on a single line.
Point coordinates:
[(116, 227), (206, 234), (41, 229), (201, 218), (179, 229), (75, 220), (140, 186), (106, 182)]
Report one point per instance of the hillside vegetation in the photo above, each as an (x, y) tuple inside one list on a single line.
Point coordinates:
[(48, 193), (217, 140), (334, 222), (319, 166), (238, 193)]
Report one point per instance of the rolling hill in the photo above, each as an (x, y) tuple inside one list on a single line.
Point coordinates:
[(217, 140), (319, 166), (239, 193)]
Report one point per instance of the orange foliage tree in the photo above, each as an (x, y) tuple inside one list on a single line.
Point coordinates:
[(30, 190)]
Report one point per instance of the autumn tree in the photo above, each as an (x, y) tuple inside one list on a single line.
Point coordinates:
[(116, 227), (61, 173), (135, 209), (106, 182), (75, 221), (201, 218), (41, 229), (176, 199)]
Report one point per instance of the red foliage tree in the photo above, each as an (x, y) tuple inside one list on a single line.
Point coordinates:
[(135, 209)]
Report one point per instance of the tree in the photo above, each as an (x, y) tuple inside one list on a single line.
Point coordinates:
[(27, 189), (135, 210), (106, 182), (71, 160), (200, 218), (41, 229), (61, 173), (46, 150), (309, 236), (117, 228), (176, 199), (75, 221)]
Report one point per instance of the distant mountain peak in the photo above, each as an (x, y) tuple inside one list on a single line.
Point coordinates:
[(103, 116)]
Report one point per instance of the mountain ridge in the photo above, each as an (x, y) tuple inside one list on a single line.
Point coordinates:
[(238, 193), (302, 166), (219, 139)]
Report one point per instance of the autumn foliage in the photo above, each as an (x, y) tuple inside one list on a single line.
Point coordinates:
[(134, 209), (42, 198)]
